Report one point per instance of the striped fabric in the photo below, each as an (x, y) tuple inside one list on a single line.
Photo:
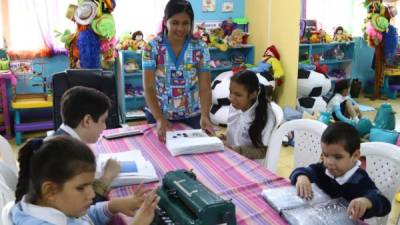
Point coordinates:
[(227, 173)]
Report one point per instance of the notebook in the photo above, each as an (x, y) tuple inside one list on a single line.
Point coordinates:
[(192, 142), (320, 210), (135, 169)]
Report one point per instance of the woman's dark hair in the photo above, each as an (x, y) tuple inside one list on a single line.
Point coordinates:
[(58, 160), (249, 80), (174, 7)]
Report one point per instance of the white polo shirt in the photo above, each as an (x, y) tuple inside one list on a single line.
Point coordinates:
[(239, 123)]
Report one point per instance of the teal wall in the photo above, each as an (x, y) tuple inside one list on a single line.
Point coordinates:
[(199, 15), (362, 61)]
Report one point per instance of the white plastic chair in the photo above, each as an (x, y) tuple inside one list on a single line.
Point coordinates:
[(383, 166), (278, 113), (8, 155), (307, 142), (6, 199), (6, 214)]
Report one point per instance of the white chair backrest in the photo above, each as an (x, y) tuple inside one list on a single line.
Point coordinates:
[(307, 142), (8, 175), (6, 214), (383, 166), (278, 113), (7, 154), (6, 196)]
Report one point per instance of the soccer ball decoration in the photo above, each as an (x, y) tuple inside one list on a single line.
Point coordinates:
[(220, 88), (311, 104), (312, 84), (219, 114)]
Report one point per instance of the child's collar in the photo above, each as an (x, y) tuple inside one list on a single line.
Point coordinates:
[(48, 214), (70, 131), (345, 177)]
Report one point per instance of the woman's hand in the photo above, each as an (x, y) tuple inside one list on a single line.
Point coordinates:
[(162, 126), (206, 125)]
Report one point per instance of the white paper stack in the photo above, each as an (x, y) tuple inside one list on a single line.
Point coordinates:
[(135, 169), (192, 142)]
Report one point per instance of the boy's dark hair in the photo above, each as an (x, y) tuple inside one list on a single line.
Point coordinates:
[(249, 80), (341, 85), (58, 160), (174, 7), (343, 134), (79, 101)]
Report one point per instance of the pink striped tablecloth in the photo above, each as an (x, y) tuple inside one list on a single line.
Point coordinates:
[(226, 173)]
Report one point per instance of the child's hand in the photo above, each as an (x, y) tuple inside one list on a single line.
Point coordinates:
[(111, 170), (128, 205), (145, 214), (303, 186), (358, 206)]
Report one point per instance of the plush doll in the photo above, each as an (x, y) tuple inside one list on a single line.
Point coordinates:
[(271, 56), (325, 37), (236, 38), (315, 37), (228, 26), (340, 35), (138, 42), (93, 44), (4, 60)]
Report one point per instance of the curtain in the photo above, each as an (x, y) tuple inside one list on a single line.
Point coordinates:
[(34, 35)]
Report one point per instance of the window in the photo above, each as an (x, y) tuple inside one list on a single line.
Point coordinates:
[(330, 14), (35, 33)]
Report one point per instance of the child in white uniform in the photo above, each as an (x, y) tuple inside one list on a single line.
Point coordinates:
[(341, 97), (251, 118), (60, 175)]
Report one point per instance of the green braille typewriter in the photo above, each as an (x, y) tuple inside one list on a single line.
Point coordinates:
[(184, 201)]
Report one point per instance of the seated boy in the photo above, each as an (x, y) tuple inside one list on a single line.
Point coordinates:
[(84, 112), (339, 174)]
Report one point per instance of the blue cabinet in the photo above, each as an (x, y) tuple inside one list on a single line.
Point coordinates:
[(130, 85), (338, 56)]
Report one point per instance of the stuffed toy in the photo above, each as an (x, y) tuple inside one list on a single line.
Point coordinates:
[(340, 35), (315, 37), (228, 26), (271, 56), (138, 42), (236, 38), (93, 43), (325, 37), (217, 39), (4, 60), (200, 30)]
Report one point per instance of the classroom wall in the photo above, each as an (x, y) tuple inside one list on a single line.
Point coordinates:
[(218, 15), (277, 22)]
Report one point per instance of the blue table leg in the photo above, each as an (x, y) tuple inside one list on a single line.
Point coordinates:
[(17, 121)]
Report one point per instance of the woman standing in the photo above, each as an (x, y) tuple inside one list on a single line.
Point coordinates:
[(176, 73)]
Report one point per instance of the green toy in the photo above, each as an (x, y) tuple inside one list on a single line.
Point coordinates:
[(4, 60)]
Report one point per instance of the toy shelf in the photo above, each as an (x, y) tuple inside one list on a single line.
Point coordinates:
[(129, 85), (226, 57)]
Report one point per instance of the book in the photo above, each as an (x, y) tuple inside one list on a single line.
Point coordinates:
[(319, 210), (192, 142), (135, 169)]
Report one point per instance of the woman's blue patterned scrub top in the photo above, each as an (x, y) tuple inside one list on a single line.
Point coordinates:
[(177, 81)]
